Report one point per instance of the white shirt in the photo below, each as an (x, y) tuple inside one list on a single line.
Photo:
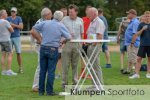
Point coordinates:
[(75, 27), (96, 26)]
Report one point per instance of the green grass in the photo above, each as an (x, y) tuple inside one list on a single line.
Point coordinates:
[(19, 87)]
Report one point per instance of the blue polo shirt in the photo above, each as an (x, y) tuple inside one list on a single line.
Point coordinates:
[(52, 31), (106, 26), (130, 31), (16, 21)]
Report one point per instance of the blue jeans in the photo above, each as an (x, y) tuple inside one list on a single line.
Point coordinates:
[(48, 61)]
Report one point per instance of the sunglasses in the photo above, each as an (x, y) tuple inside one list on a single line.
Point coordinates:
[(13, 11)]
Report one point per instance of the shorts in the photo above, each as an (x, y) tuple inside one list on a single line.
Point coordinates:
[(123, 48), (132, 54), (85, 48), (16, 42), (143, 51), (104, 47), (6, 46)]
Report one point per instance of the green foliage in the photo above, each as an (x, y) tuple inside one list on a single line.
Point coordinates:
[(30, 9)]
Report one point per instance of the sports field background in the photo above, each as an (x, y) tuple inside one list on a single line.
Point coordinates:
[(19, 87)]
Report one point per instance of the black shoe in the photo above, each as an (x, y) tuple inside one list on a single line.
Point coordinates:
[(108, 66), (126, 72), (132, 73), (41, 94), (122, 70), (53, 94)]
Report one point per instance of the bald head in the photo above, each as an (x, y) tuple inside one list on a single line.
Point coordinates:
[(3, 14), (46, 13), (92, 13)]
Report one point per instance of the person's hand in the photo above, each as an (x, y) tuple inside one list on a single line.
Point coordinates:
[(145, 27), (38, 42), (94, 44), (13, 25), (132, 45), (118, 41)]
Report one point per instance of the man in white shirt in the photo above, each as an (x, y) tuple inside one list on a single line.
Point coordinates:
[(70, 54), (95, 31), (5, 43)]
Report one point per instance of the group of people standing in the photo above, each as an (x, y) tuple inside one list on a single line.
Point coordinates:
[(53, 33), (10, 37), (133, 36), (53, 37)]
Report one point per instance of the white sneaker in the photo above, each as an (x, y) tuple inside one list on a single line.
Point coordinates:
[(4, 72), (134, 76), (147, 75), (11, 73), (133, 68)]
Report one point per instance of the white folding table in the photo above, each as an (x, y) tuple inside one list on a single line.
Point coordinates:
[(88, 64)]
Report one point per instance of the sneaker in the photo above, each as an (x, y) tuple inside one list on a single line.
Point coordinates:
[(35, 89), (108, 66), (20, 71), (134, 76), (11, 73), (122, 70), (3, 72), (147, 75), (57, 77), (41, 94), (133, 68), (125, 72), (52, 94)]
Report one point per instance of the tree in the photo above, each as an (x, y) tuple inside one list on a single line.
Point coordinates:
[(29, 10), (57, 4)]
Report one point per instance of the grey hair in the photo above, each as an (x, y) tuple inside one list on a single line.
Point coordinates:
[(45, 11), (58, 15), (2, 12), (94, 10)]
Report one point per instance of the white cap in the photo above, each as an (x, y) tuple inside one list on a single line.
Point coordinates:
[(14, 9)]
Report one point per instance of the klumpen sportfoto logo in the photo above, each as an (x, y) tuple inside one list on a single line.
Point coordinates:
[(108, 92)]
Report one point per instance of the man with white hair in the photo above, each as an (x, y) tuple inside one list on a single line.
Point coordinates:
[(5, 32), (95, 31), (46, 14), (52, 31), (70, 54)]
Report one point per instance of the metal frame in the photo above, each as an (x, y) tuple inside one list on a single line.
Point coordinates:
[(88, 63)]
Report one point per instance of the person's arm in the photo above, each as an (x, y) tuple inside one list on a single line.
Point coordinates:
[(20, 26), (65, 33), (82, 29), (135, 28), (141, 31), (138, 34), (36, 30), (36, 35), (100, 28), (10, 29), (119, 32)]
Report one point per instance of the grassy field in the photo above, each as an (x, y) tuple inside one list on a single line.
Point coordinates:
[(19, 87)]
